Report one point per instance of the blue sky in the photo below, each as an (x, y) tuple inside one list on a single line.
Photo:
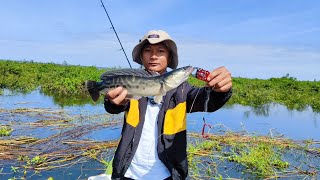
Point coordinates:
[(252, 38)]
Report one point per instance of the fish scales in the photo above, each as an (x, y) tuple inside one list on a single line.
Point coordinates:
[(139, 82), (141, 86)]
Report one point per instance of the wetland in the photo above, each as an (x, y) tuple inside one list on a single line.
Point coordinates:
[(50, 128)]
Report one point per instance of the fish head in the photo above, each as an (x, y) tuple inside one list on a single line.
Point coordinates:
[(176, 77)]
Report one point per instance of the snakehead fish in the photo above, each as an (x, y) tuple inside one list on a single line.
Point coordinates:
[(139, 82)]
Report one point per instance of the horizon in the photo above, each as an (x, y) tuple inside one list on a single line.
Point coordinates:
[(253, 39)]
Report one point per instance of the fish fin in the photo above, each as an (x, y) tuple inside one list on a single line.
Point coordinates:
[(133, 97), (130, 72), (137, 97), (129, 96), (157, 99), (93, 90)]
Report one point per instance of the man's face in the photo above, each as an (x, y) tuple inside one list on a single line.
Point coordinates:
[(155, 57)]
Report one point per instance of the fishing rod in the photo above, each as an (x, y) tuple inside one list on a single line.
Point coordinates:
[(105, 10)]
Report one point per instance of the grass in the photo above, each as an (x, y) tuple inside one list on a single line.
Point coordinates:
[(5, 131), (249, 157), (260, 159)]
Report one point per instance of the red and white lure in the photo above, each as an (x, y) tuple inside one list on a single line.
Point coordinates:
[(202, 74)]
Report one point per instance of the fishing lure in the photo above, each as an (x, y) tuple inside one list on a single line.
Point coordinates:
[(202, 74)]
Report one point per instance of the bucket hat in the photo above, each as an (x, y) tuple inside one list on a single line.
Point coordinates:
[(154, 37)]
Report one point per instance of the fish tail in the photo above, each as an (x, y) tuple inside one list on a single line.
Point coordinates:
[(93, 90)]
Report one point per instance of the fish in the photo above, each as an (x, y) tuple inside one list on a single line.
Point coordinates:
[(138, 82)]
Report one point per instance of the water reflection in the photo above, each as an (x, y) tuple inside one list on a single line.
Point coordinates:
[(262, 110), (268, 119), (71, 100)]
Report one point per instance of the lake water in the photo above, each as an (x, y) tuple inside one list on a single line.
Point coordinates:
[(270, 119)]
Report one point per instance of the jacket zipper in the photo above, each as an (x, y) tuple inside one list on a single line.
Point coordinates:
[(125, 168)]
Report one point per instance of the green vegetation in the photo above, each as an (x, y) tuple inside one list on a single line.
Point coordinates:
[(5, 131), (286, 90), (248, 157), (51, 78), (57, 80), (261, 159), (65, 80), (36, 161)]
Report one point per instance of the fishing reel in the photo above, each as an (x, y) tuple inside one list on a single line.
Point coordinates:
[(202, 74)]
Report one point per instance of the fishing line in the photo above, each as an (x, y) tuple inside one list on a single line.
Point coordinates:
[(208, 90), (202, 74), (105, 10)]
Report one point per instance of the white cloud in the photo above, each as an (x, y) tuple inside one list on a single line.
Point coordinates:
[(252, 60), (241, 59)]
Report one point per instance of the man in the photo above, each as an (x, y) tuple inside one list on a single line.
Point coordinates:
[(153, 142)]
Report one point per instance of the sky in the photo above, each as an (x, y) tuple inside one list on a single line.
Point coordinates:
[(251, 38)]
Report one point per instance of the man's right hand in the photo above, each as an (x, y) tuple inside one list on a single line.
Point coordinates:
[(118, 96)]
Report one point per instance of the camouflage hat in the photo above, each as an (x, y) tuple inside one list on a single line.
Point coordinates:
[(154, 37)]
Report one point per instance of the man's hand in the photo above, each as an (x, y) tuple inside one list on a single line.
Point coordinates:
[(118, 96), (220, 80)]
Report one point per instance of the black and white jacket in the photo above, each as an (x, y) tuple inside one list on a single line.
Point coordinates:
[(172, 142)]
